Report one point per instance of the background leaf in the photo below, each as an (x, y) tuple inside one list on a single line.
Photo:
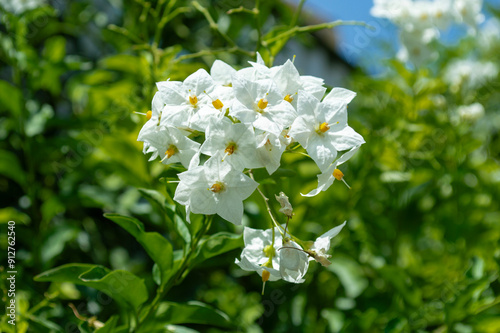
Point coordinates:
[(122, 286)]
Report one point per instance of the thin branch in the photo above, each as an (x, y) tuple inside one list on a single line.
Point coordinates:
[(202, 53), (242, 9), (266, 201), (212, 23), (124, 32), (296, 15), (311, 28)]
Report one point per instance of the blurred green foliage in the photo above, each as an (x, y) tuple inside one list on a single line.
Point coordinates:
[(421, 249)]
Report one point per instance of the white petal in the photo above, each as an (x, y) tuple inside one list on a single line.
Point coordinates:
[(222, 72), (345, 139), (340, 94), (322, 151), (322, 243)]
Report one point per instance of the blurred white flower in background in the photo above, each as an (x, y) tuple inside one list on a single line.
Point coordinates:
[(469, 74), (18, 7), (471, 112), (420, 23)]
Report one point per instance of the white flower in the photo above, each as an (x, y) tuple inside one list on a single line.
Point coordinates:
[(326, 178), (171, 145), (322, 245), (293, 262), (258, 250), (18, 7), (184, 100), (415, 47), (153, 116), (322, 128), (469, 12), (258, 71), (289, 82), (221, 100), (269, 149), (470, 74), (235, 142), (471, 112), (394, 10), (214, 188), (489, 35), (260, 103)]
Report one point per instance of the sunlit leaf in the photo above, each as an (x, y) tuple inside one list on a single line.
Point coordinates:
[(122, 286)]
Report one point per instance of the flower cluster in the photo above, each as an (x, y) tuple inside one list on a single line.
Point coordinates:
[(219, 124), (420, 22)]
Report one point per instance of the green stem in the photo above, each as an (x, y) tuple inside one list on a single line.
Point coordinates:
[(296, 15), (124, 32), (212, 23), (311, 28), (179, 275), (266, 201), (202, 53)]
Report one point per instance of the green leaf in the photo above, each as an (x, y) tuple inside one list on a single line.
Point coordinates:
[(402, 283), (466, 300), (55, 49), (154, 197), (56, 241), (215, 245), (11, 214), (156, 274), (122, 286), (109, 326), (188, 313), (158, 248), (182, 229), (10, 166), (124, 63), (11, 98)]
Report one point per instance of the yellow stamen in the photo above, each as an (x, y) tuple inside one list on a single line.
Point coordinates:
[(171, 151), (216, 188), (262, 104), (324, 127), (265, 277), (231, 147), (149, 114), (193, 100), (338, 174), (217, 104), (288, 98)]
